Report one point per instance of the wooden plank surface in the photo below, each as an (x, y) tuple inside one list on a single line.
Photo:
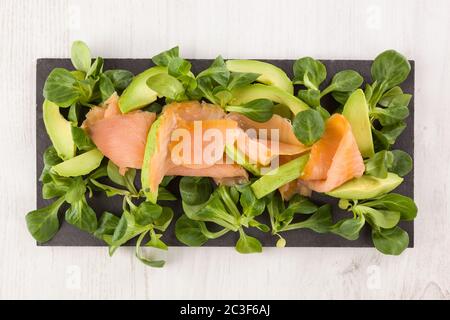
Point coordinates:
[(348, 29)]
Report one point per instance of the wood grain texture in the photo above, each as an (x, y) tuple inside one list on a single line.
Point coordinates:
[(266, 29)]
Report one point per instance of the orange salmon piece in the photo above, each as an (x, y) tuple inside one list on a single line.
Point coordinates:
[(120, 137), (335, 158), (203, 141), (262, 148), (177, 115)]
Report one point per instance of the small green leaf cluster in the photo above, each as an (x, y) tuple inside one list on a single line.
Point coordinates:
[(309, 125), (383, 215), (135, 220), (396, 161), (388, 105), (145, 219), (214, 84), (87, 84), (43, 223), (311, 73), (228, 209)]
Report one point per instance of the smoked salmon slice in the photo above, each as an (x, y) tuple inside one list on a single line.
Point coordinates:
[(286, 133), (120, 137), (201, 143), (218, 171), (335, 158), (263, 141), (182, 116), (194, 110)]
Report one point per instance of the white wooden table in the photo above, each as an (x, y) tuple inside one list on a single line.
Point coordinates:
[(234, 28)]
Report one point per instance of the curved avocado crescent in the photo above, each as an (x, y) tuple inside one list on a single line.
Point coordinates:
[(79, 165), (269, 74), (262, 91), (59, 130), (366, 187), (138, 94)]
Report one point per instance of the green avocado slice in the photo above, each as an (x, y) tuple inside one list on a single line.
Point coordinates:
[(356, 111), (238, 157), (366, 187), (137, 95), (269, 74), (278, 177), (261, 91), (150, 150), (59, 130), (79, 165)]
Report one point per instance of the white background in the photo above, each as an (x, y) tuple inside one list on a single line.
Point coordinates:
[(203, 29)]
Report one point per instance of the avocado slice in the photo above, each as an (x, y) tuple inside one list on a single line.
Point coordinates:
[(269, 74), (261, 91), (240, 158), (79, 165), (138, 94), (356, 111), (366, 187), (278, 177), (59, 130), (150, 149)]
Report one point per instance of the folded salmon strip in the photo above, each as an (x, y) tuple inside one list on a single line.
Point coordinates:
[(194, 110), (201, 143), (285, 133), (172, 142), (335, 158), (164, 161), (120, 137), (260, 143), (217, 171)]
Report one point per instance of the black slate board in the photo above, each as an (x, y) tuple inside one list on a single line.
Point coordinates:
[(70, 236)]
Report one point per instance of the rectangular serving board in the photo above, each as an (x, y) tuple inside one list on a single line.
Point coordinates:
[(71, 236)]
